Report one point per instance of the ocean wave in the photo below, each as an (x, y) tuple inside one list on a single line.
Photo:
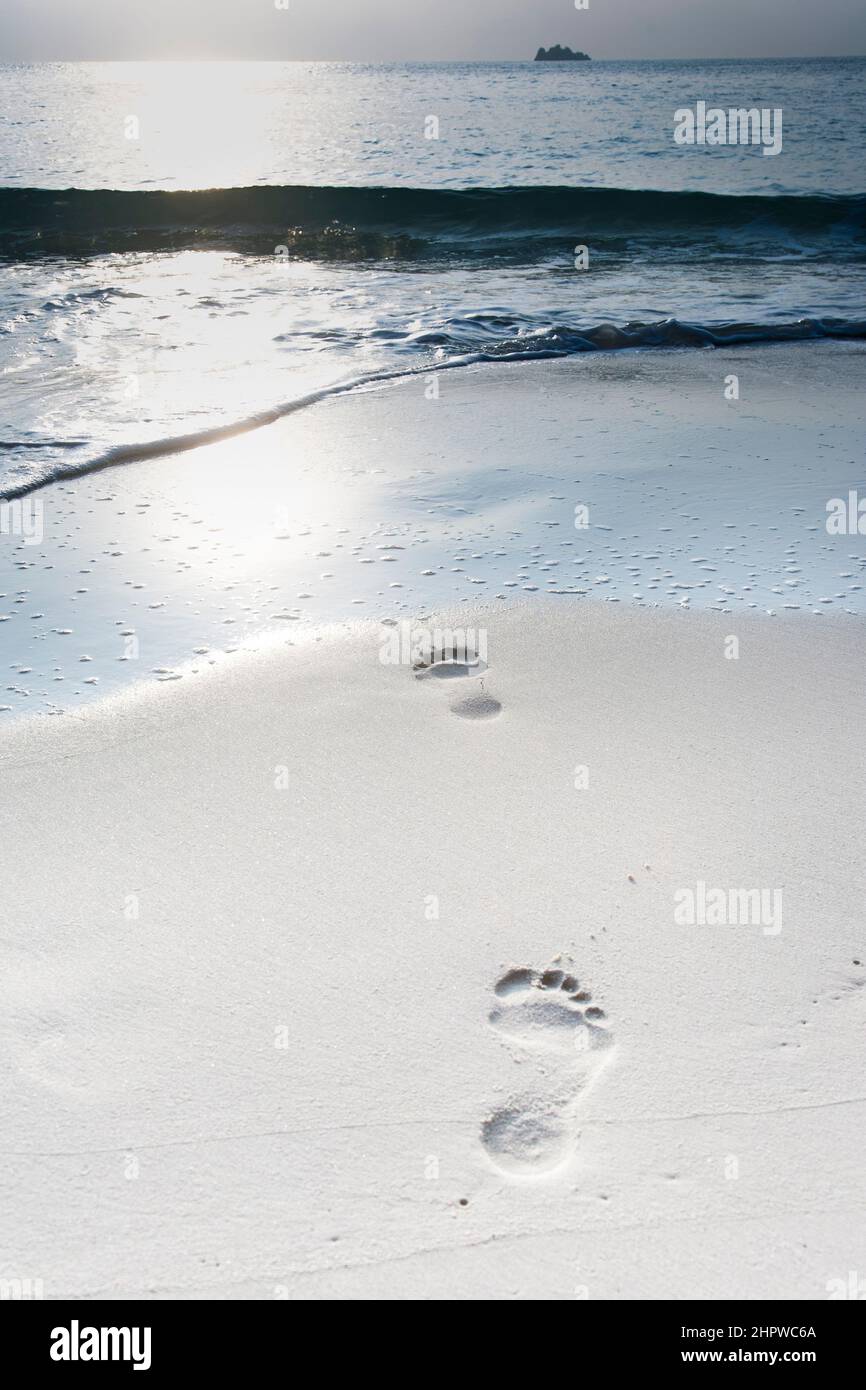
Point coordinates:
[(312, 222), (563, 340), (458, 343)]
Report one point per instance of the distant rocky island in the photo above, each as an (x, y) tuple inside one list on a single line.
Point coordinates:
[(558, 54)]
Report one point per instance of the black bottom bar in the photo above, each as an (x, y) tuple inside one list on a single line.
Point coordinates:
[(217, 1340)]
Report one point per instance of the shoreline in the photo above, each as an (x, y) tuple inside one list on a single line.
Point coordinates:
[(601, 338)]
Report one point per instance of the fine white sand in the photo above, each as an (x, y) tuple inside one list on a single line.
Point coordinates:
[(321, 976), (253, 926)]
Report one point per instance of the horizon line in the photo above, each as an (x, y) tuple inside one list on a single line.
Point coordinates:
[(385, 62)]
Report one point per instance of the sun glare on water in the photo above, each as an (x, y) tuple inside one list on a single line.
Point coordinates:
[(197, 124)]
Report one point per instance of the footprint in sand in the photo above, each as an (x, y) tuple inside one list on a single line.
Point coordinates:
[(478, 706), (458, 664), (448, 670), (550, 1014), (452, 660)]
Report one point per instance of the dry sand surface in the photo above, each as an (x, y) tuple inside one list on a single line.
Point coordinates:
[(323, 977)]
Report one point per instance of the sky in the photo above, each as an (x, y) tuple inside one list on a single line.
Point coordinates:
[(394, 30)]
